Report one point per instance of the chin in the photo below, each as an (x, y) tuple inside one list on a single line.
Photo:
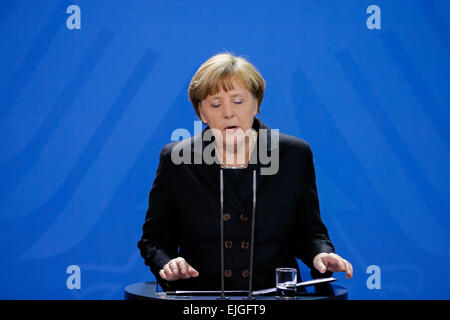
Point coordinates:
[(232, 141)]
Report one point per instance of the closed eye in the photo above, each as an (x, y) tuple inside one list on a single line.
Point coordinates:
[(238, 101)]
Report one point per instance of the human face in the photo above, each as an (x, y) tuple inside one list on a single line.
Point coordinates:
[(230, 113)]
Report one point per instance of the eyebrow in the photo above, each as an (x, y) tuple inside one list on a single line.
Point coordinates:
[(232, 96)]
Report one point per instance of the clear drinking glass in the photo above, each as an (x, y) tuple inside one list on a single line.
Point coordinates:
[(286, 281)]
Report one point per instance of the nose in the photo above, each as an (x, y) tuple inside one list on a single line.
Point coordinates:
[(227, 110)]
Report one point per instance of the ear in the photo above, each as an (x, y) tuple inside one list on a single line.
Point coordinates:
[(202, 116), (255, 109)]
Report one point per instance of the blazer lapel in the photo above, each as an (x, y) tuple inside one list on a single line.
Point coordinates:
[(209, 173)]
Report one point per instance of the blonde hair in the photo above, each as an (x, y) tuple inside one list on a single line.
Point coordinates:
[(218, 72)]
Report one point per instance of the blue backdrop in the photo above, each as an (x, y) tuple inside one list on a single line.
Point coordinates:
[(90, 94)]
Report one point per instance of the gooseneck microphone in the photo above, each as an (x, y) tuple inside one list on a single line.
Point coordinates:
[(222, 268), (252, 240)]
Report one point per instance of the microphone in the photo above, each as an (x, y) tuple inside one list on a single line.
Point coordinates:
[(222, 268), (252, 240)]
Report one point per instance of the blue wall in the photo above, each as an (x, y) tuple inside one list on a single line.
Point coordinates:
[(85, 112)]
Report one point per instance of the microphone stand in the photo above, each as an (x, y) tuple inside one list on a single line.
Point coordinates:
[(252, 240)]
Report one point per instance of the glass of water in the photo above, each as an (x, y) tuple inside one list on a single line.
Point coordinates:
[(286, 282)]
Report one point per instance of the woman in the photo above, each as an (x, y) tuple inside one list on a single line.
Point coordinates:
[(181, 233)]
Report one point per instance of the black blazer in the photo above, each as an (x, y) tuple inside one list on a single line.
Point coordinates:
[(183, 218)]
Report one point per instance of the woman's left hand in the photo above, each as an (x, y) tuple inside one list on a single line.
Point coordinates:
[(334, 263)]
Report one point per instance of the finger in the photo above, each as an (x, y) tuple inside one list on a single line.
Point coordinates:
[(349, 267), (162, 274), (173, 266), (319, 264), (184, 274), (168, 272), (337, 263), (192, 272), (182, 267)]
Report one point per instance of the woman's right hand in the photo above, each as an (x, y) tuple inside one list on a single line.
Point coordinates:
[(177, 269)]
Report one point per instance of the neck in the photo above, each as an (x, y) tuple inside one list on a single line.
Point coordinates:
[(237, 155)]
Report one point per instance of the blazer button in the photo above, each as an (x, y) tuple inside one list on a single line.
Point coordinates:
[(226, 216), (245, 273), (244, 218), (227, 273), (245, 245), (228, 244)]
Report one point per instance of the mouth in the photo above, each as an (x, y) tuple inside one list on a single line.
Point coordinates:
[(231, 129)]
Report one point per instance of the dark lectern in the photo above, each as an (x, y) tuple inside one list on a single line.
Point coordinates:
[(147, 291)]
